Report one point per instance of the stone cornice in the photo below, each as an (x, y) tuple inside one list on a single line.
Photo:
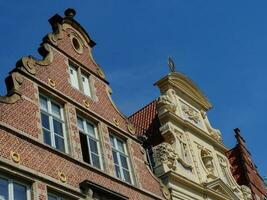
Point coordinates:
[(201, 188), (180, 82), (169, 116)]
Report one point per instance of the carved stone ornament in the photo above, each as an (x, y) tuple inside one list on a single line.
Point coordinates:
[(29, 63), (86, 103), (131, 128), (191, 113), (178, 142), (51, 82), (246, 192), (15, 157), (164, 153), (116, 122), (207, 161), (62, 177), (165, 191), (168, 102), (13, 82), (215, 133), (90, 195)]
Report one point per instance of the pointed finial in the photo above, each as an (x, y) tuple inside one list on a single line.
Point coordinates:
[(171, 64), (70, 12)]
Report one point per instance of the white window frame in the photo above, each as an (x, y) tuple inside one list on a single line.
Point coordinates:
[(89, 91), (125, 154), (74, 82), (51, 116), (96, 139), (11, 187), (79, 85)]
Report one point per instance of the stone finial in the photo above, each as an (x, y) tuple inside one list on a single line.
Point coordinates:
[(70, 12)]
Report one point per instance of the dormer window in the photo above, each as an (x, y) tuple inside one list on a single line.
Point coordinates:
[(80, 80)]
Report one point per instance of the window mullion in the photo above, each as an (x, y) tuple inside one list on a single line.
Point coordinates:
[(120, 166), (52, 131), (89, 149), (10, 190)]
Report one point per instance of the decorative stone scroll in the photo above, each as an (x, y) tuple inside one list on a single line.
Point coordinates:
[(29, 63), (13, 82), (215, 133)]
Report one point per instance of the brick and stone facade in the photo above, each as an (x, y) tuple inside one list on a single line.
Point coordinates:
[(25, 157), (244, 170)]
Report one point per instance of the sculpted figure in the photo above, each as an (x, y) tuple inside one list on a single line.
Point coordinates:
[(215, 133), (207, 160), (164, 153), (246, 192), (168, 101)]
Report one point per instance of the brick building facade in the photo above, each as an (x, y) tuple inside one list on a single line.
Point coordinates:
[(61, 136), (244, 170)]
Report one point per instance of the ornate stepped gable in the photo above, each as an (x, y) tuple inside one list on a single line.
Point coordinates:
[(185, 151), (43, 89), (244, 170)]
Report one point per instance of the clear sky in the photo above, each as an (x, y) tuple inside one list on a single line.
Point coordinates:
[(220, 45)]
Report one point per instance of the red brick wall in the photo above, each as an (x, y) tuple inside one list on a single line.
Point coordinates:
[(24, 115)]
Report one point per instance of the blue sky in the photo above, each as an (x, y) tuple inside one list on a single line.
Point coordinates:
[(220, 45)]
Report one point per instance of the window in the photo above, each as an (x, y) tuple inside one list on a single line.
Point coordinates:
[(74, 77), (53, 124), (13, 190), (52, 196), (89, 142), (86, 86), (80, 80), (120, 159)]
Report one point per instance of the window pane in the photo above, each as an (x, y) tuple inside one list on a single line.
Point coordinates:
[(43, 103), (84, 145), (58, 129), (59, 143), (115, 159), (124, 162), (56, 109), (90, 129), (112, 140), (20, 192), (47, 137), (93, 146), (74, 77), (95, 160), (120, 145), (86, 86), (126, 175), (117, 170), (50, 197), (45, 121), (3, 189), (80, 123)]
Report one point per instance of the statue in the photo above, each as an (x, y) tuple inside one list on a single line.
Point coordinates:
[(207, 161), (246, 192), (168, 101)]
